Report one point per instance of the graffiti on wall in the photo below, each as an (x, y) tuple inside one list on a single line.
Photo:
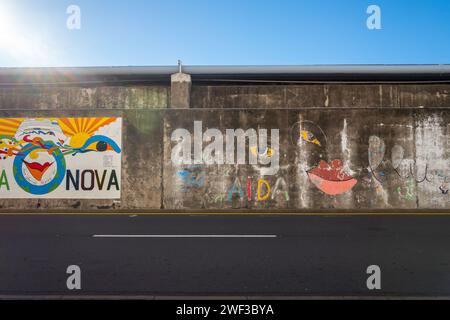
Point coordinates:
[(307, 132), (402, 168), (192, 177), (307, 160), (444, 188), (331, 178), (68, 158), (258, 190)]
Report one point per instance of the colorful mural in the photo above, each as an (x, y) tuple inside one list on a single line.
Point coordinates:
[(60, 157)]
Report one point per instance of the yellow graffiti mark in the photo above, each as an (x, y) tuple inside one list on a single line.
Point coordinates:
[(309, 137), (78, 140), (267, 152), (266, 196), (35, 153)]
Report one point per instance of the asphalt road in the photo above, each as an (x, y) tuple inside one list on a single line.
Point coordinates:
[(225, 255)]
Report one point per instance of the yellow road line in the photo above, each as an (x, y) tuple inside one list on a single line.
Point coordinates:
[(320, 214)]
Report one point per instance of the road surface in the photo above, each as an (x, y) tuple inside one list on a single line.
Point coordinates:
[(224, 255)]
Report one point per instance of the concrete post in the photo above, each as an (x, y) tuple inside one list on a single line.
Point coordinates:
[(180, 90)]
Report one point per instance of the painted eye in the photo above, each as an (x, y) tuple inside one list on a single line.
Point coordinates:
[(101, 146), (262, 152), (266, 152)]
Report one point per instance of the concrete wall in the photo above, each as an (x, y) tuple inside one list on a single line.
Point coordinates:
[(322, 95), (393, 142), (390, 159), (89, 98)]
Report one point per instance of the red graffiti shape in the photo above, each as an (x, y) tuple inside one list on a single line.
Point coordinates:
[(331, 178), (37, 170)]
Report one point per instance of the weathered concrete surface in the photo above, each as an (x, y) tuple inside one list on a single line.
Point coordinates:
[(263, 96), (321, 95), (393, 141), (180, 90), (391, 158), (90, 97)]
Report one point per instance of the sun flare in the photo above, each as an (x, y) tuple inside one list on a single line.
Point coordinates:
[(9, 39), (22, 45)]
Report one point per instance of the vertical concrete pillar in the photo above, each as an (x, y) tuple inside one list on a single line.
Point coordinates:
[(180, 90)]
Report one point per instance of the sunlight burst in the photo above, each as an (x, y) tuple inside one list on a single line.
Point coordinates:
[(19, 45)]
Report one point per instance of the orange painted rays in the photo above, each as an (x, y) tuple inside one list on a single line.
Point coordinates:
[(8, 126), (78, 129), (81, 129), (72, 126)]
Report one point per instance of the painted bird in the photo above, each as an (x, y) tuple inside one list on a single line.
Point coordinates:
[(309, 137)]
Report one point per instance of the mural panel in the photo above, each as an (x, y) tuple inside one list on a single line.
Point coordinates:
[(60, 158)]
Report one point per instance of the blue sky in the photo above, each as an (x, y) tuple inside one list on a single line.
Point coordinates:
[(222, 32)]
